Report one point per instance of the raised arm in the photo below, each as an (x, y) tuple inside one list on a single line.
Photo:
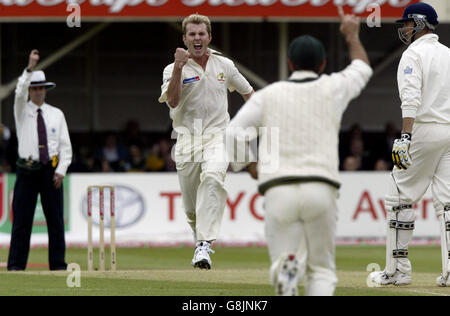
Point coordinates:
[(33, 60), (350, 27), (21, 97), (174, 89)]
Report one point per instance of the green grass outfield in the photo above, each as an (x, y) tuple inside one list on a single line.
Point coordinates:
[(236, 272)]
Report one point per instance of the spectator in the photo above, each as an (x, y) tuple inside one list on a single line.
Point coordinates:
[(112, 154), (383, 146), (390, 134), (133, 135), (166, 154), (346, 142), (106, 166), (382, 165), (136, 162), (352, 163), (90, 163), (85, 161), (355, 132), (357, 152), (5, 135), (160, 158), (154, 161)]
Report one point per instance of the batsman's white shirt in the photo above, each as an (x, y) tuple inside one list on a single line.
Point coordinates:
[(424, 81), (25, 115), (203, 108)]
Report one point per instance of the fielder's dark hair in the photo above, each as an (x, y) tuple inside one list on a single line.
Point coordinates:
[(306, 53)]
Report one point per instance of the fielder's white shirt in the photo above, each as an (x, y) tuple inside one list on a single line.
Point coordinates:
[(203, 108), (25, 115), (307, 117), (424, 81)]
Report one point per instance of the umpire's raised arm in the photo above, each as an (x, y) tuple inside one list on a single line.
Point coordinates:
[(23, 83)]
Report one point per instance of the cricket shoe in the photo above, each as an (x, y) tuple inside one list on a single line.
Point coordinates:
[(201, 256), (398, 279), (286, 276), (442, 281)]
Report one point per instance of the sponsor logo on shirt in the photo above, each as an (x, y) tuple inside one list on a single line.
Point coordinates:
[(191, 80), (221, 77), (408, 71)]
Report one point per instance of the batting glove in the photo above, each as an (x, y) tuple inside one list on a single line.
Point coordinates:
[(400, 152)]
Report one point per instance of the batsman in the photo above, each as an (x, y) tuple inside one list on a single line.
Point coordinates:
[(422, 154)]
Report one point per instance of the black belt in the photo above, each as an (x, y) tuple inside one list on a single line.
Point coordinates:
[(29, 165), (263, 187)]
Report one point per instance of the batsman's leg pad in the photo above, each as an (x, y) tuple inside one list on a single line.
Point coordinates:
[(401, 223), (444, 223), (438, 207)]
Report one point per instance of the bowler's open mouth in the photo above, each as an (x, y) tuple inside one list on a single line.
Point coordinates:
[(198, 47)]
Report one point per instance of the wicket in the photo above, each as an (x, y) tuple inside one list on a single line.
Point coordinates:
[(101, 189)]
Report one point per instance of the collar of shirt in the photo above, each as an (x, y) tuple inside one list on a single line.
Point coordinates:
[(303, 74), (433, 37), (35, 107), (211, 53)]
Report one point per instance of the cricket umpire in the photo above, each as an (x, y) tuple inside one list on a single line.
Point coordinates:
[(45, 153), (301, 192)]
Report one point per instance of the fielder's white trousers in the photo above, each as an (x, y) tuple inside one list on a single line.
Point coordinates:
[(201, 166), (301, 219), (430, 153)]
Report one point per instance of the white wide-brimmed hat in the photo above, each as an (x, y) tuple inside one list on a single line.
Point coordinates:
[(38, 80)]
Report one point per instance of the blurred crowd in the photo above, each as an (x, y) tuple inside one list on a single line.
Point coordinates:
[(131, 150), (359, 151)]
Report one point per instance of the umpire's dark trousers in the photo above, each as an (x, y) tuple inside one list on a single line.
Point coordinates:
[(28, 186)]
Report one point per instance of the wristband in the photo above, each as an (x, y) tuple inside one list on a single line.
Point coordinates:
[(406, 136)]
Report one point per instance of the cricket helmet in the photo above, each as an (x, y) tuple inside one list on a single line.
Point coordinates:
[(423, 15)]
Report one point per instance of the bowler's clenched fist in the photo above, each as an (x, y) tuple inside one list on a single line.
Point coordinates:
[(181, 57)]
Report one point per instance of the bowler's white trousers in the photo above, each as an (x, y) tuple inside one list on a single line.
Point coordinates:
[(430, 153), (301, 220), (201, 166)]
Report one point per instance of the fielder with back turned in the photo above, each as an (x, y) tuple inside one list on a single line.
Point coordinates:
[(300, 195), (422, 154)]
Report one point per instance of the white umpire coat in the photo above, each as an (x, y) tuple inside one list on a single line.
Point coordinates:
[(25, 115)]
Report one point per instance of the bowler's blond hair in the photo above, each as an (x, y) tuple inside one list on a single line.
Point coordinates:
[(197, 19)]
